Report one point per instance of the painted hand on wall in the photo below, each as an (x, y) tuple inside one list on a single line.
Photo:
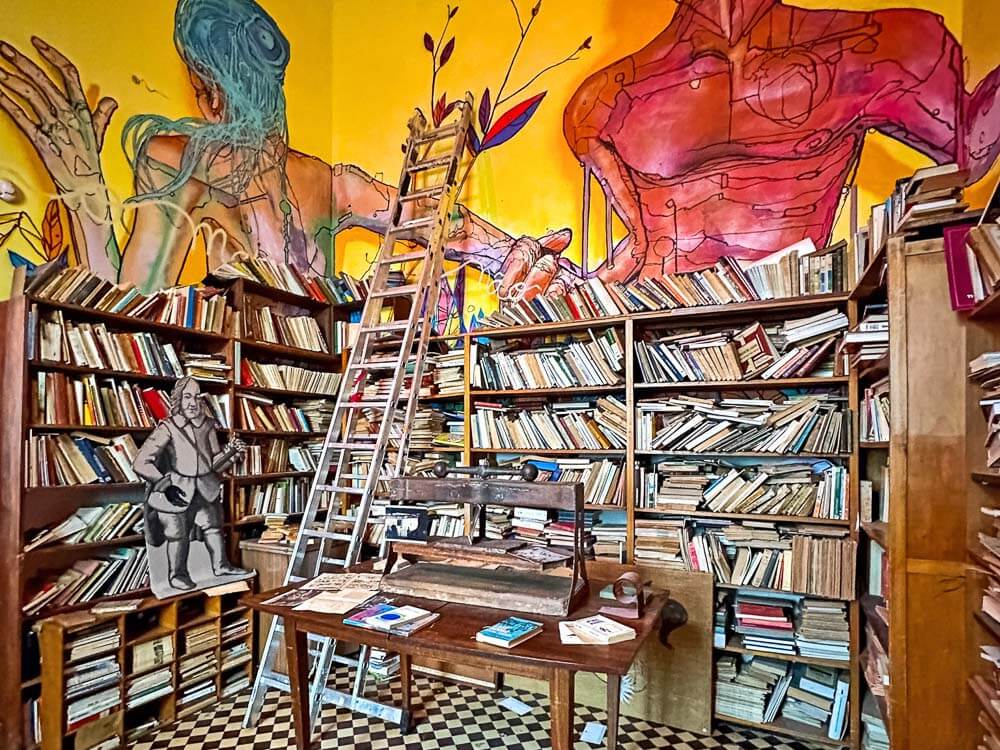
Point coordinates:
[(733, 133)]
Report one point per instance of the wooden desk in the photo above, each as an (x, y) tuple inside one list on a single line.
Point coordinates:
[(452, 638)]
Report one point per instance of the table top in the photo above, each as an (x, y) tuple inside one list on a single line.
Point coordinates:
[(454, 633)]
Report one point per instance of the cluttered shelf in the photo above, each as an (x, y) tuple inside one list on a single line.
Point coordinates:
[(733, 647), (289, 352), (765, 517), (789, 729), (739, 385)]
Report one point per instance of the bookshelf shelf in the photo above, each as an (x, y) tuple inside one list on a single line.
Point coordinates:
[(281, 392), (140, 377), (787, 728), (242, 481), (878, 531), (126, 322), (526, 392), (734, 587), (742, 454), (280, 433), (56, 553), (874, 445), (742, 309), (74, 491), (282, 295), (987, 477), (551, 451), (733, 647), (96, 429), (769, 517), (988, 309), (739, 385), (990, 625), (545, 329), (46, 613), (289, 352)]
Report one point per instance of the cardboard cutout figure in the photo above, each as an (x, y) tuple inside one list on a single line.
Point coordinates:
[(182, 464)]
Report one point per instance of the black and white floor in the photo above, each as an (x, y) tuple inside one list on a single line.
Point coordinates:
[(448, 716)]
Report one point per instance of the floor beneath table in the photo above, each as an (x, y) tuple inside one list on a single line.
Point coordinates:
[(448, 716)]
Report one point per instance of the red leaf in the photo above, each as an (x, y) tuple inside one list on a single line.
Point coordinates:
[(52, 231), (428, 43), (446, 52), (484, 110), (512, 121), (438, 113)]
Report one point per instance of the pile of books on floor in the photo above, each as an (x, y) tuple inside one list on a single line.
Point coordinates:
[(79, 458), (200, 637), (815, 423), (279, 497), (818, 697), (98, 640), (382, 665), (88, 676), (447, 372), (822, 631), (297, 331), (794, 349), (566, 425), (275, 456), (750, 688), (287, 378), (92, 524), (263, 413), (765, 622), (814, 560), (333, 289), (797, 270), (868, 341), (202, 308), (584, 360), (658, 542), (148, 687), (119, 572)]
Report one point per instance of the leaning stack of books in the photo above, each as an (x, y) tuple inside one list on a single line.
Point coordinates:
[(822, 630), (750, 688), (121, 571), (818, 698), (80, 458), (658, 542), (764, 623), (92, 524)]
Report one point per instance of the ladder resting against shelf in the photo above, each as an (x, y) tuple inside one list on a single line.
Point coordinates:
[(422, 208)]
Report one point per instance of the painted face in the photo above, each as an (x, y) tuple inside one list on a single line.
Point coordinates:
[(191, 400)]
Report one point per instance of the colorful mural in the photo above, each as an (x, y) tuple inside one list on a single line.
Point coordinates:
[(732, 132)]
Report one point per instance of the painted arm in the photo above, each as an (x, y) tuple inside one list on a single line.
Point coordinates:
[(145, 460), (55, 117)]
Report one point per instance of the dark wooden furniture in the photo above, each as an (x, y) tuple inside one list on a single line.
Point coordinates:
[(452, 639)]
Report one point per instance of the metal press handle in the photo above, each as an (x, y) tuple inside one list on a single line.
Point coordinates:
[(529, 472)]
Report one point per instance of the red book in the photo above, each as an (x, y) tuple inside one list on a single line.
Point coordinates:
[(246, 377), (769, 624), (137, 351), (155, 403), (957, 260)]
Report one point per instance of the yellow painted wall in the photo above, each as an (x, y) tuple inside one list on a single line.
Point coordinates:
[(358, 68)]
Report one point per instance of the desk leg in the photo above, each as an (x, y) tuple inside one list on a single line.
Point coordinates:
[(405, 677), (297, 651), (614, 698), (561, 709)]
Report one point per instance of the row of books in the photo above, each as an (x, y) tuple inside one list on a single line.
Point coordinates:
[(567, 425), (874, 423), (302, 415), (92, 524), (983, 247), (603, 480), (89, 676), (297, 331), (333, 289), (793, 349), (200, 637), (762, 690), (583, 360), (785, 624), (118, 572), (148, 687), (79, 458), (275, 456), (201, 308), (800, 269), (282, 496), (344, 333), (817, 489), (984, 370), (814, 423), (817, 561), (288, 378)]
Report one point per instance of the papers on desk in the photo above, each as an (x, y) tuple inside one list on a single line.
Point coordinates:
[(341, 581), (335, 602), (291, 598)]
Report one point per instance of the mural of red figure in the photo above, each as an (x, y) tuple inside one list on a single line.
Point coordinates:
[(734, 131)]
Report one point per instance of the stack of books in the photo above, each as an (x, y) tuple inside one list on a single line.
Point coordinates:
[(265, 414), (88, 676), (561, 532), (287, 378), (198, 692), (148, 687), (868, 341), (234, 684), (764, 623), (815, 423), (822, 630), (275, 456), (200, 637), (818, 698), (382, 665), (565, 425), (453, 432), (296, 331), (202, 308), (208, 368), (234, 655), (235, 628), (750, 688), (658, 542), (584, 360), (610, 533), (874, 735), (448, 372), (155, 652), (985, 371), (197, 667), (79, 458), (794, 349), (595, 629), (797, 270), (510, 632), (95, 706), (121, 571), (94, 641), (92, 524)]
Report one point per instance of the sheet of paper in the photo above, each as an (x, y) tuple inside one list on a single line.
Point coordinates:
[(291, 598), (593, 733), (336, 602), (513, 704), (569, 636), (340, 581)]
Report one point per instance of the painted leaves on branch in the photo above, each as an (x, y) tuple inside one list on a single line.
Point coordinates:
[(511, 122), (428, 43), (442, 108), (484, 110), (446, 52)]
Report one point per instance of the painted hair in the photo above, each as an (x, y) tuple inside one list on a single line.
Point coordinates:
[(236, 48), (177, 393)]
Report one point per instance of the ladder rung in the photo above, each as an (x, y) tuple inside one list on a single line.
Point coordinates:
[(404, 258), (352, 446), (428, 192), (438, 134), (420, 166), (422, 221), (388, 364), (337, 488), (354, 476), (341, 517), (364, 405), (336, 560), (405, 290), (334, 536), (390, 325)]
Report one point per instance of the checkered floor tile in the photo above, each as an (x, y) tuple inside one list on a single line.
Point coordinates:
[(450, 716)]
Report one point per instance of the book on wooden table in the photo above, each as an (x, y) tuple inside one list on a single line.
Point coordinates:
[(404, 620), (601, 630), (509, 632)]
